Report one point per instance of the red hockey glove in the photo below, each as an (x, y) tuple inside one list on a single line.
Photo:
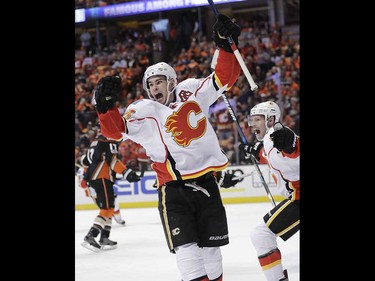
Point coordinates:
[(84, 184)]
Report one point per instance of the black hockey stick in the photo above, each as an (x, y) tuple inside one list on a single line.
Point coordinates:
[(244, 140), (253, 87)]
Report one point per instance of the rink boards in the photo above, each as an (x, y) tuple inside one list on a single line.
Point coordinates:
[(143, 194)]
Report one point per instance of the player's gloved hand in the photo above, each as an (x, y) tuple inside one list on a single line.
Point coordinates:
[(284, 139), (228, 180), (131, 176), (84, 184), (252, 149), (107, 92), (223, 28)]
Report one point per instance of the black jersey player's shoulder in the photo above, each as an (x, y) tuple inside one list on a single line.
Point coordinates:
[(99, 140), (102, 138)]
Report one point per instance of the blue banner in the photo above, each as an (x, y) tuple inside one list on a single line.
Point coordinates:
[(144, 7)]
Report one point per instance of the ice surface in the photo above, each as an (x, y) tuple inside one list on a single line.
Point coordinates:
[(142, 253)]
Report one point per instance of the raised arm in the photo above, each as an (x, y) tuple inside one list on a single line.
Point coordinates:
[(107, 92), (227, 68)]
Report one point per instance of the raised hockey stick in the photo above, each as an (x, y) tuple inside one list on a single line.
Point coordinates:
[(244, 140), (230, 109), (236, 53)]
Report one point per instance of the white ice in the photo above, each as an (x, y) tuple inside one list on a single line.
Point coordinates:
[(142, 253)]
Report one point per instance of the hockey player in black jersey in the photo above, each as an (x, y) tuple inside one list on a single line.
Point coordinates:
[(101, 165)]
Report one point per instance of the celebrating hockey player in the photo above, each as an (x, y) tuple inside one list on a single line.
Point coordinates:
[(278, 146), (173, 127)]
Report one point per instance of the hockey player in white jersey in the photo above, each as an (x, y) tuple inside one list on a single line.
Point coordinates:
[(279, 147), (173, 127)]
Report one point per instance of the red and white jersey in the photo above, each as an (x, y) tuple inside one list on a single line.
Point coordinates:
[(284, 167), (179, 139)]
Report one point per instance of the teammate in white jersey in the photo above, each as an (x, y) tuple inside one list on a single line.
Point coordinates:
[(279, 147), (173, 127)]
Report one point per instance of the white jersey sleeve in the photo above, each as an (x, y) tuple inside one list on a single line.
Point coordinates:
[(285, 170)]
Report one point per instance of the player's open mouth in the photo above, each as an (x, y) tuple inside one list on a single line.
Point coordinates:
[(159, 96)]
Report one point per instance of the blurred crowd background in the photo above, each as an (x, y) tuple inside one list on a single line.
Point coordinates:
[(271, 51)]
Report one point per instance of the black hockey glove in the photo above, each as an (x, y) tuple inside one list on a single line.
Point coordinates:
[(252, 149), (223, 28), (284, 139), (228, 180), (107, 92), (131, 176)]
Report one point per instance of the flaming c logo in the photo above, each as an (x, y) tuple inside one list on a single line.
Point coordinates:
[(129, 113), (178, 124)]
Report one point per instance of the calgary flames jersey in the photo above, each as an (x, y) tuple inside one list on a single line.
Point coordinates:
[(178, 138), (284, 167)]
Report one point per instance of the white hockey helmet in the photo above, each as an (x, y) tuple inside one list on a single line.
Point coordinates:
[(160, 68), (267, 109)]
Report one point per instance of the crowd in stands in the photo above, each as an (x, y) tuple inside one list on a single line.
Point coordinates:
[(87, 4), (272, 58)]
